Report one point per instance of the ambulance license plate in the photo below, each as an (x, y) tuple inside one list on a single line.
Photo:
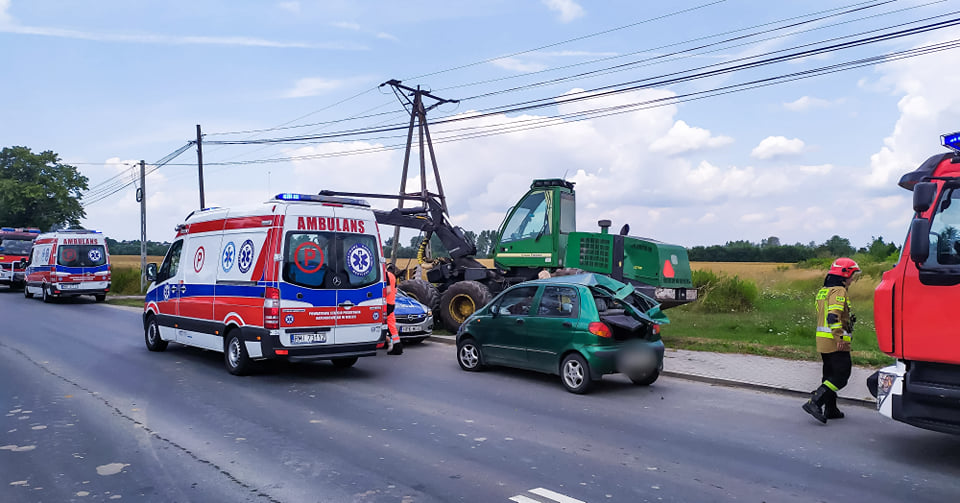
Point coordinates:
[(307, 338), (69, 286)]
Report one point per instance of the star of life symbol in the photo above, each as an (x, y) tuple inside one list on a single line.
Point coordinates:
[(94, 255), (245, 257), (288, 319), (166, 292), (198, 259), (229, 256), (359, 260)]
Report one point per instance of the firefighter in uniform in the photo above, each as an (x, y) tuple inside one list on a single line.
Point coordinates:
[(394, 346), (834, 329)]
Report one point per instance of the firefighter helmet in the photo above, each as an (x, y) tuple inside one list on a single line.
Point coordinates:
[(844, 267)]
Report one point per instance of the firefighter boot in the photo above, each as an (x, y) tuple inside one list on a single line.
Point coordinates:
[(830, 409), (814, 406)]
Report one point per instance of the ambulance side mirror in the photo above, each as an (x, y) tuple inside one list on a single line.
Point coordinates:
[(919, 240), (23, 262), (151, 271)]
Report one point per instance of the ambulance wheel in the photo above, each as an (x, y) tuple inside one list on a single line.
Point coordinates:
[(423, 291), (100, 298), (45, 294), (26, 292), (460, 301), (235, 355), (344, 363), (152, 336)]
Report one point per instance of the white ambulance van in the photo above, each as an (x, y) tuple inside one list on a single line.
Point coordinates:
[(297, 278), (68, 263)]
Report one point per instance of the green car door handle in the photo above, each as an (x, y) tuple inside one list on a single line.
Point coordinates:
[(519, 321), (568, 324)]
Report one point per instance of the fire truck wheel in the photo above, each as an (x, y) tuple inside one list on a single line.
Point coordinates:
[(461, 300), (152, 335), (235, 355), (100, 298), (26, 292), (45, 294)]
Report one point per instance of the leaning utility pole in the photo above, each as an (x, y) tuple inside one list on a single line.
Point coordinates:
[(418, 117), (200, 164), (142, 198)]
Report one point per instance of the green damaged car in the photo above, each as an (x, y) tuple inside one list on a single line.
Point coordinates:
[(578, 327)]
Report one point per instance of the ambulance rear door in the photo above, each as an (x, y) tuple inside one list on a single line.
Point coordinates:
[(308, 282), (360, 295)]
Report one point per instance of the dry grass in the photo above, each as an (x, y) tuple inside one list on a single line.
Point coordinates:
[(133, 261)]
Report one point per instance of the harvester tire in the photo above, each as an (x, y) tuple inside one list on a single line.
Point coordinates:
[(423, 291), (460, 301)]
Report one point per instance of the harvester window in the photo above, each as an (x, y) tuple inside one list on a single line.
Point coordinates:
[(530, 219)]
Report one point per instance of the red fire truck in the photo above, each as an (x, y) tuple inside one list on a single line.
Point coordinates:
[(15, 244), (914, 302)]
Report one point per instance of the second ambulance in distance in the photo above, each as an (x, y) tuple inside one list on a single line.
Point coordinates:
[(297, 278), (68, 263)]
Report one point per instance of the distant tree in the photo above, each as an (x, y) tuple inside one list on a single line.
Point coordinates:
[(37, 190), (772, 241), (486, 240), (880, 250), (838, 246)]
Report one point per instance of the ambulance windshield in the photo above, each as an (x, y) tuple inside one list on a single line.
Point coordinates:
[(81, 255), (331, 260), (15, 246)]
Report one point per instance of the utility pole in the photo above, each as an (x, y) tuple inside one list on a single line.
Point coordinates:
[(142, 197), (418, 117), (200, 164)]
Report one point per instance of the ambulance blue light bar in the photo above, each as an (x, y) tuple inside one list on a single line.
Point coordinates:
[(8, 229), (951, 141), (287, 196)]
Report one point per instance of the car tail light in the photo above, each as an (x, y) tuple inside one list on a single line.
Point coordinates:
[(600, 329), (655, 330), (271, 308)]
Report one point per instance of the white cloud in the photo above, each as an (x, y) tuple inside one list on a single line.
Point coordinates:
[(806, 103), (568, 9), (347, 25), (293, 7), (518, 65), (313, 86), (683, 138), (777, 146), (928, 108), (5, 19), (386, 36), (822, 169)]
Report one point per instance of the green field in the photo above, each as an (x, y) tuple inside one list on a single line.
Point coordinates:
[(782, 321)]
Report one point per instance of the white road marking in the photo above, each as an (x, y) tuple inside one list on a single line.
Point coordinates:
[(545, 493), (519, 499), (559, 498)]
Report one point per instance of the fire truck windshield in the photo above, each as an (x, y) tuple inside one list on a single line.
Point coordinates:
[(16, 246), (945, 231)]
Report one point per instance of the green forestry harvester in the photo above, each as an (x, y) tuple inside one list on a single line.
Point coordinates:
[(538, 234)]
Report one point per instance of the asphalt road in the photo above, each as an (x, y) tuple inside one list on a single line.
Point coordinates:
[(91, 415)]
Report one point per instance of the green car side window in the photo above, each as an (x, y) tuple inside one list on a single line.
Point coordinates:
[(559, 301), (516, 302)]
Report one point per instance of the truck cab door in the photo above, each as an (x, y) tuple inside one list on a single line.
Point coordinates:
[(529, 235)]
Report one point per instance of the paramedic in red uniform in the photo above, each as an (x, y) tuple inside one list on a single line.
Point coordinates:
[(394, 346), (834, 326)]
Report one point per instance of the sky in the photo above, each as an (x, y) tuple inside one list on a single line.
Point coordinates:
[(696, 122)]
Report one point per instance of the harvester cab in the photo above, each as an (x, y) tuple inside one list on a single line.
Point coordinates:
[(540, 233)]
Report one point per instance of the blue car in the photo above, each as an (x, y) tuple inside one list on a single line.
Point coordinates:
[(414, 320)]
